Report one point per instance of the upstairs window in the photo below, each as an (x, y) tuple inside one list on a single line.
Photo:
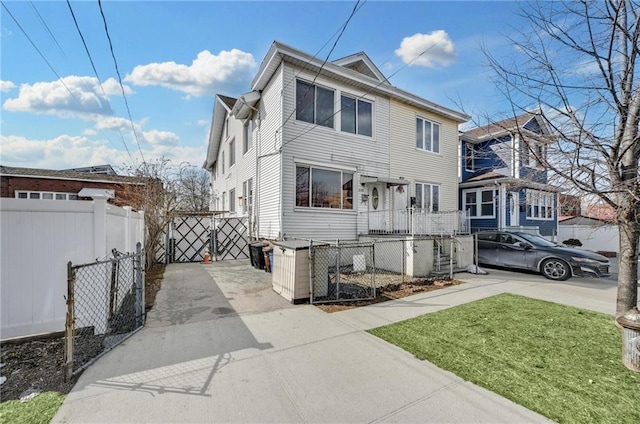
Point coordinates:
[(356, 116), (314, 104), (469, 158), (248, 137), (427, 135), (232, 200), (232, 153), (222, 163), (323, 188)]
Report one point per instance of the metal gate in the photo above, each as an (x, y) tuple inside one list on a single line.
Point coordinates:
[(230, 238), (188, 236)]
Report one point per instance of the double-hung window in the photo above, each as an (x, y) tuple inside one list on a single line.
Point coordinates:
[(540, 204), (469, 158), (428, 197), (356, 116), (222, 163), (479, 203), (323, 188), (248, 137), (232, 200), (427, 135), (314, 104), (247, 196)]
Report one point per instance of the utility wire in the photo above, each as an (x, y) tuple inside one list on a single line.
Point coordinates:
[(40, 53), (86, 48), (357, 98), (311, 87), (124, 96), (44, 24)]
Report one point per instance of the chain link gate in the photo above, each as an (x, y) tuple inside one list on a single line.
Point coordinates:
[(342, 272), (230, 238)]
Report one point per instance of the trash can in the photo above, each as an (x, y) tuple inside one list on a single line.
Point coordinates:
[(268, 256), (256, 256)]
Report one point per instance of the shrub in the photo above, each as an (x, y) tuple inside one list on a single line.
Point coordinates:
[(572, 242)]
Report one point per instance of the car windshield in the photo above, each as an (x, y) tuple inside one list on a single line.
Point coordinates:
[(537, 240)]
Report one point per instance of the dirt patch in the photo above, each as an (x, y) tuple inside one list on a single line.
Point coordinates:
[(38, 365), (391, 292)]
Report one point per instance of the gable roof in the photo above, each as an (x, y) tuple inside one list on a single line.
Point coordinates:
[(526, 121), (280, 52), (361, 63), (10, 171)]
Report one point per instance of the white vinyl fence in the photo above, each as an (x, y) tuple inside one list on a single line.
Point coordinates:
[(38, 239), (602, 238)]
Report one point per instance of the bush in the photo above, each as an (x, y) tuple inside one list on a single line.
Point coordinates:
[(572, 242)]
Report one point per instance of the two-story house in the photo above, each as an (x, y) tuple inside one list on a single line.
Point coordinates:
[(503, 181), (331, 150)]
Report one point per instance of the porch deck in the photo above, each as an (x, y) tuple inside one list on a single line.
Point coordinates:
[(418, 222)]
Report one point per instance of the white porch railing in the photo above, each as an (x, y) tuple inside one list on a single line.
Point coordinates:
[(418, 222)]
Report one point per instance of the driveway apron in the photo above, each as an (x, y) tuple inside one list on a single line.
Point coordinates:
[(220, 346)]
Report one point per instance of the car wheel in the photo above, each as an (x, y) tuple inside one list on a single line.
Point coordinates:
[(555, 269)]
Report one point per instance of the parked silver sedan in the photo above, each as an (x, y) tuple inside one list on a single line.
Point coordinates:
[(531, 252)]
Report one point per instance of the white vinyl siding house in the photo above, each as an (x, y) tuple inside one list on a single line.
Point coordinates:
[(314, 140), (419, 165)]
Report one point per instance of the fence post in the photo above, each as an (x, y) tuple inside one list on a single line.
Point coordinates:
[(69, 330), (138, 284)]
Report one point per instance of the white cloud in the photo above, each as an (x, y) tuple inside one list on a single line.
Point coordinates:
[(161, 138), (203, 122), (207, 74), (112, 88), (428, 50), (6, 86), (68, 151), (72, 96)]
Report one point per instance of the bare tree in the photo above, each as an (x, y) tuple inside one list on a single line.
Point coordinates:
[(577, 62), (192, 188)]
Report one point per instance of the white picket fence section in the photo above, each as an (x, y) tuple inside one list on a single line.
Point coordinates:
[(38, 238)]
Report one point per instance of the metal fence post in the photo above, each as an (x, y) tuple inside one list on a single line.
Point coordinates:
[(137, 269), (69, 330)]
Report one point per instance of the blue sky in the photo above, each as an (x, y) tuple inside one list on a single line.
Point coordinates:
[(175, 56)]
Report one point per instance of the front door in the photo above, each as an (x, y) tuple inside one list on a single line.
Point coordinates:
[(514, 210), (378, 215)]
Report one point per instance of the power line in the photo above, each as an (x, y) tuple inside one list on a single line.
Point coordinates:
[(40, 53), (124, 96), (308, 90), (44, 24), (86, 48), (357, 98)]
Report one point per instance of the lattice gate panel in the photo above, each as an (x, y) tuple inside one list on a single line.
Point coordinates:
[(231, 239), (191, 234)]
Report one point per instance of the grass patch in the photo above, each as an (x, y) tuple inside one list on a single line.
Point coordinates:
[(39, 410), (562, 362)]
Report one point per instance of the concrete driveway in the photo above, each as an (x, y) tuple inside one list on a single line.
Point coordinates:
[(221, 346)]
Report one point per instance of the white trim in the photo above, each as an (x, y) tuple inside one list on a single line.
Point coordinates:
[(432, 122), (41, 193), (544, 195), (478, 203), (331, 166)]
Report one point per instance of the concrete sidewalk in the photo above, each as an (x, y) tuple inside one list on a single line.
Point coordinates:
[(221, 346)]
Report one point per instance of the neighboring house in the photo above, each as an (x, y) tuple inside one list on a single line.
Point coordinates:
[(503, 183), (569, 205), (48, 184), (332, 151)]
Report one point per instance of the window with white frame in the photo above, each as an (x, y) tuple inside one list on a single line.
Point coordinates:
[(45, 195), (247, 197), (222, 163), (232, 200), (232, 152), (314, 104), (469, 157), (356, 116), (427, 135), (428, 197), (479, 203), (248, 137), (224, 200), (540, 204), (323, 188), (226, 127)]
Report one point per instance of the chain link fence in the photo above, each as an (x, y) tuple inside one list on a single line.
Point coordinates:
[(105, 305), (351, 271)]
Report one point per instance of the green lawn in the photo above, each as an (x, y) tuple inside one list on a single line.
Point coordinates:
[(39, 410), (562, 362)]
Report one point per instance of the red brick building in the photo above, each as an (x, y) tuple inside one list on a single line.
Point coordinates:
[(31, 183)]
